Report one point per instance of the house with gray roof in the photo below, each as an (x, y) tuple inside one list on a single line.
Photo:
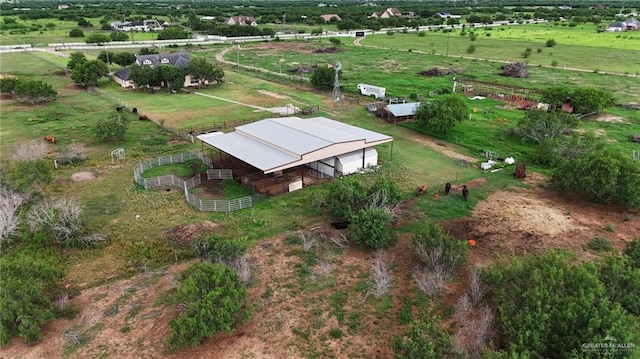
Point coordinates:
[(177, 59)]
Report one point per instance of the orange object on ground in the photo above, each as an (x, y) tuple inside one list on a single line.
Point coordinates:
[(472, 242), (436, 196)]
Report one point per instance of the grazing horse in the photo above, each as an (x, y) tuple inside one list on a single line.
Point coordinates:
[(50, 139), (421, 190), (465, 192), (447, 188)]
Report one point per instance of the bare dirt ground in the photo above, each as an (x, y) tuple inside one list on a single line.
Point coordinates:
[(83, 176), (295, 306), (609, 118)]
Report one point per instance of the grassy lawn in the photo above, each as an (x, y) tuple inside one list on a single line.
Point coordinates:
[(605, 53), (398, 70)]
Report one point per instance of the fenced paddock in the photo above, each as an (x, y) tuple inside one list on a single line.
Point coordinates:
[(204, 205)]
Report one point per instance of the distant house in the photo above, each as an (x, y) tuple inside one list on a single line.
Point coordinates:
[(145, 25), (178, 59), (63, 6), (389, 13), (446, 15), (208, 18), (241, 20), (329, 17), (631, 24)]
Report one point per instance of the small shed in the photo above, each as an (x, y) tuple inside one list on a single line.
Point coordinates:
[(400, 111)]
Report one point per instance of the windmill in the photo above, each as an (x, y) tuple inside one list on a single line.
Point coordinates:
[(336, 82)]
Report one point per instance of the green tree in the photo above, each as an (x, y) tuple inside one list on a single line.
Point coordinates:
[(371, 228), (345, 196), (603, 174), (213, 297), (542, 125), (147, 51), (203, 70), (142, 75), (171, 75), (112, 128), (555, 95), (7, 84), (76, 59), (97, 39), (322, 78), (632, 251), (124, 58), (442, 113), (28, 283), (106, 57), (88, 73), (335, 42), (34, 92), (76, 33), (591, 100), (172, 33), (118, 36), (549, 307)]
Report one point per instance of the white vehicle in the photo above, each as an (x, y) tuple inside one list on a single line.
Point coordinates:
[(370, 90)]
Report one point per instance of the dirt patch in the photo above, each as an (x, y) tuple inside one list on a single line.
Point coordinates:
[(609, 118), (83, 176), (184, 235), (439, 71), (273, 94)]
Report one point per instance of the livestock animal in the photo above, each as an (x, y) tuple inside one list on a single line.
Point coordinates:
[(340, 225), (50, 139), (143, 117), (447, 188), (119, 108), (465, 192), (421, 190)]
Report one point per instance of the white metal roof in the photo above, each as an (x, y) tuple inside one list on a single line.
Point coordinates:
[(279, 143), (403, 109)]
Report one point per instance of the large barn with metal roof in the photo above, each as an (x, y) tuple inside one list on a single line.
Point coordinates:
[(287, 149)]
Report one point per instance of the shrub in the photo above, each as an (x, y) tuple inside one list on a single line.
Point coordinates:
[(7, 84), (213, 298), (345, 196), (112, 128), (74, 152), (217, 249), (425, 340), (551, 43), (59, 219), (621, 282), (335, 333), (34, 92), (371, 228), (632, 250), (603, 174), (76, 33), (440, 255), (533, 294), (471, 49), (600, 244), (27, 290)]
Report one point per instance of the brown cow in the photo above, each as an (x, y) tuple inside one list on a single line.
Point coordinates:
[(421, 190), (50, 139)]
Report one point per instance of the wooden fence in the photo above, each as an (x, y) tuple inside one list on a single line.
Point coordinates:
[(204, 205)]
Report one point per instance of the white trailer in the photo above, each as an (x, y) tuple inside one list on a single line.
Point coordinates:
[(370, 90)]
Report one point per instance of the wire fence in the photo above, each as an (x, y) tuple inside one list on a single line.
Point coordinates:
[(203, 205)]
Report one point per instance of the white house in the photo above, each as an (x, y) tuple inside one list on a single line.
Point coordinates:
[(241, 20)]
